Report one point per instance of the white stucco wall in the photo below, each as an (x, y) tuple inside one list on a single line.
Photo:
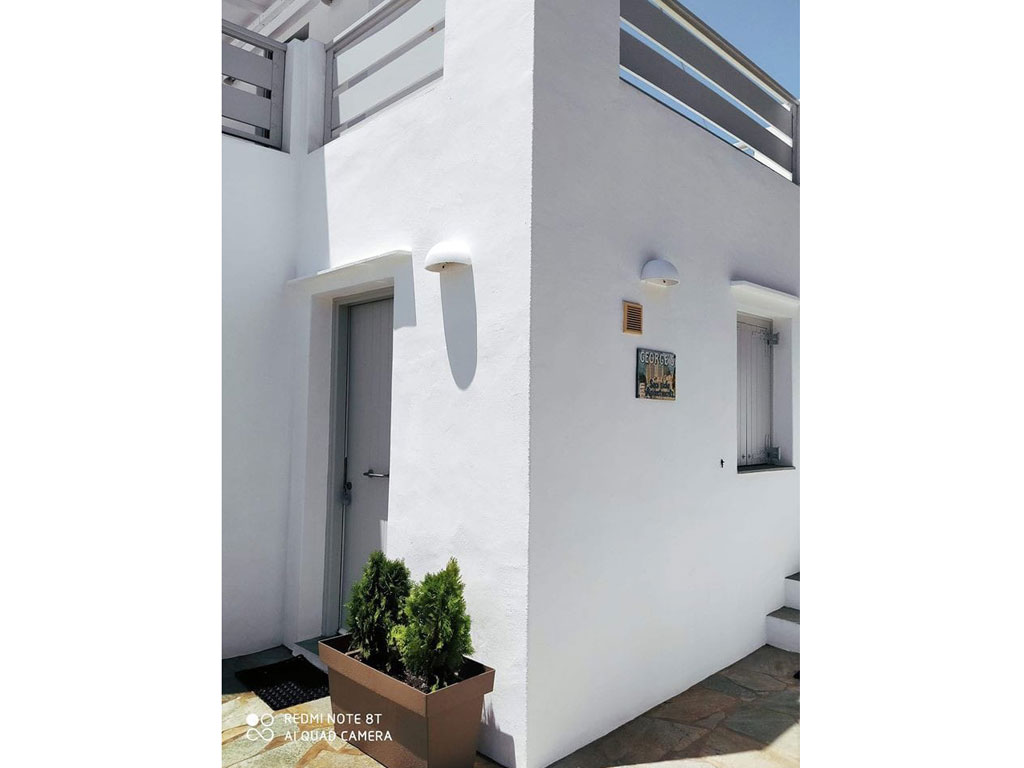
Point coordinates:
[(651, 566), (607, 555), (259, 201), (451, 161)]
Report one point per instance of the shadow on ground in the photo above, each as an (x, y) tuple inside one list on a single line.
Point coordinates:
[(228, 667), (747, 714)]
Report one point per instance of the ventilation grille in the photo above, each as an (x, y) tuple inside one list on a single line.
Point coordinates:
[(632, 317)]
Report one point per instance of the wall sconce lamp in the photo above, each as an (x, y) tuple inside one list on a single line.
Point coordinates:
[(449, 253), (659, 272)]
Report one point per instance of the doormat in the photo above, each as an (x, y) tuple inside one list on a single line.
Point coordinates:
[(285, 683)]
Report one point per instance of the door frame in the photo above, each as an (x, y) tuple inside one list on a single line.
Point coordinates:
[(334, 544)]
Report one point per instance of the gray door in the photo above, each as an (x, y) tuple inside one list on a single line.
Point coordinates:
[(362, 448)]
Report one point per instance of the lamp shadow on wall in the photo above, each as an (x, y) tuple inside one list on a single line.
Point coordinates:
[(458, 307)]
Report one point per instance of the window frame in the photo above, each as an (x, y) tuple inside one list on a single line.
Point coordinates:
[(768, 327)]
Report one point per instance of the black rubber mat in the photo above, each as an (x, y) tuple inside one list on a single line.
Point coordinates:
[(285, 683)]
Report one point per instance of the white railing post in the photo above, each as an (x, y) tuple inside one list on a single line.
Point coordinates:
[(303, 97)]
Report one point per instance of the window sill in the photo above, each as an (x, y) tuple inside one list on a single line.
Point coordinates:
[(753, 468)]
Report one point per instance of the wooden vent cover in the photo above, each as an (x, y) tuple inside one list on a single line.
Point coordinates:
[(632, 317)]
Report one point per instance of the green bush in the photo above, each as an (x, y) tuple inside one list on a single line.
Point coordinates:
[(375, 608), (436, 632)]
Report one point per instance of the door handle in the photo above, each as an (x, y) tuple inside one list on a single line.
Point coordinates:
[(371, 473)]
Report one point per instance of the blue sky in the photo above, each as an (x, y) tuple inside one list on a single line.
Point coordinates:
[(767, 31)]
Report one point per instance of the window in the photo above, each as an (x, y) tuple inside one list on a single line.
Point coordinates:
[(767, 383), (755, 341)]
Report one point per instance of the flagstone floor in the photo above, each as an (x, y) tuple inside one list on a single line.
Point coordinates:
[(745, 716), (298, 737)]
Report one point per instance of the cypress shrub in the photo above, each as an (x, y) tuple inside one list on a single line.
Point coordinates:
[(375, 609), (436, 632)]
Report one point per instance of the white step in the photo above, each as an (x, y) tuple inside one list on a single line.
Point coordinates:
[(784, 629), (793, 591)]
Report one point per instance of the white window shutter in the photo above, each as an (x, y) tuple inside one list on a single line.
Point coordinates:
[(753, 390)]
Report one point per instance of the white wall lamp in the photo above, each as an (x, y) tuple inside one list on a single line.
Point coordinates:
[(659, 272), (447, 254)]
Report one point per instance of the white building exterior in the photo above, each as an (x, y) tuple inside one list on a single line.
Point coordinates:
[(612, 552)]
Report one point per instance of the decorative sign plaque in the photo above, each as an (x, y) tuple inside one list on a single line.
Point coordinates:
[(655, 374)]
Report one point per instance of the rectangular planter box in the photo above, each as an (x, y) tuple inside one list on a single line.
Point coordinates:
[(429, 730)]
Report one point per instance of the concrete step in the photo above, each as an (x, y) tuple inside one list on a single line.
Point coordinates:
[(308, 649), (793, 591), (784, 629)]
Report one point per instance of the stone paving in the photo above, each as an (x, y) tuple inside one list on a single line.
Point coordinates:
[(292, 742), (745, 716)]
